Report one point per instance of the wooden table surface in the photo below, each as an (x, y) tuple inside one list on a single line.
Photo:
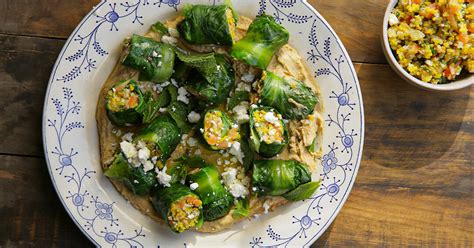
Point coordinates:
[(414, 187)]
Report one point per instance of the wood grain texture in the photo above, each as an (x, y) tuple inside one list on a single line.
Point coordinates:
[(415, 186), (25, 66), (30, 212)]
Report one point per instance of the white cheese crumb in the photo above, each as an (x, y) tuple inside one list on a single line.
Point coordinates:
[(148, 166), (393, 20), (183, 95), (237, 151), (238, 190), (143, 154), (194, 186), (244, 87), (162, 110), (266, 207), (127, 137), (163, 178), (173, 32), (229, 175), (154, 54), (192, 142), (241, 112), (270, 117), (135, 181), (128, 149), (194, 117), (248, 77), (169, 40), (154, 159), (197, 152)]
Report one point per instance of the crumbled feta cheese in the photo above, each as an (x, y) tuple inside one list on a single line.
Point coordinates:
[(270, 117), (135, 181), (254, 106), (192, 142), (237, 151), (243, 87), (197, 152), (173, 32), (154, 159), (194, 186), (163, 178), (169, 40), (229, 175), (162, 110), (117, 132), (183, 95), (128, 149), (144, 154), (174, 82), (238, 190), (393, 20), (248, 77), (194, 117), (241, 112), (148, 166), (154, 54), (266, 207), (127, 137), (226, 162)]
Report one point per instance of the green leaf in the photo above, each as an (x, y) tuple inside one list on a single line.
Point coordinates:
[(238, 97), (277, 177), (216, 200), (160, 28), (179, 112), (207, 24), (136, 179), (260, 146), (292, 98), (303, 191), (263, 39), (154, 60), (241, 209)]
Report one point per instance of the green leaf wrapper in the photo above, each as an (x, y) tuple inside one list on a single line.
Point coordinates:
[(136, 179), (163, 132), (205, 24), (216, 200), (164, 197), (154, 60), (263, 39), (261, 147), (277, 177), (292, 98), (302, 192), (214, 78), (130, 116)]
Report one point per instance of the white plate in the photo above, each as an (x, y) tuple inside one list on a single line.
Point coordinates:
[(71, 140)]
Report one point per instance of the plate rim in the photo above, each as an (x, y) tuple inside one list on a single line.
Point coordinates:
[(341, 46)]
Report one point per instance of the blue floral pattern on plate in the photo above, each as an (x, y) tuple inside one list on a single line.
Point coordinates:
[(65, 123)]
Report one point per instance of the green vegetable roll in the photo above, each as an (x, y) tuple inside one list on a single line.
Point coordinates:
[(218, 130), (277, 177), (123, 102), (136, 179), (179, 207), (268, 131), (204, 24), (208, 76), (154, 60), (216, 200), (162, 135), (292, 98), (263, 39)]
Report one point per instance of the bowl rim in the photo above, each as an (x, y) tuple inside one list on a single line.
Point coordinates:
[(455, 85)]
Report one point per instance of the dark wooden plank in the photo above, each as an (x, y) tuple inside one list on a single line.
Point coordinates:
[(25, 66), (30, 212), (358, 23), (50, 18)]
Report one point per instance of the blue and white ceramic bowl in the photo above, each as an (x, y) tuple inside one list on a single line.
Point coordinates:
[(71, 139)]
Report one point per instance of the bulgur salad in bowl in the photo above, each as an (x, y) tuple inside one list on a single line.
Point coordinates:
[(430, 42)]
